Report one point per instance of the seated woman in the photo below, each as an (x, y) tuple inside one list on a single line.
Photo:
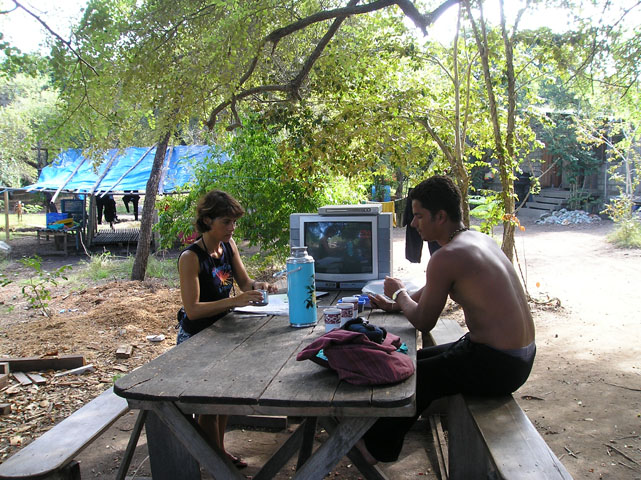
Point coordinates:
[(208, 268)]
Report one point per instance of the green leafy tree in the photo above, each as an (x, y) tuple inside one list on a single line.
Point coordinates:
[(255, 173), (26, 103)]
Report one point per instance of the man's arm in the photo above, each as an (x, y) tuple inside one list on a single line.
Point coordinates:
[(423, 312)]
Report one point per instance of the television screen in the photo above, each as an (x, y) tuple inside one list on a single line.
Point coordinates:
[(337, 246)]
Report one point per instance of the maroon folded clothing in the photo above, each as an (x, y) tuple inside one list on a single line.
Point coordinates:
[(358, 360)]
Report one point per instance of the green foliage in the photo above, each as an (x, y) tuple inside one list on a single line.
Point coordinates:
[(269, 186), (488, 209), (562, 139), (105, 266), (4, 280), (628, 231), (26, 103), (31, 208), (37, 288), (627, 234)]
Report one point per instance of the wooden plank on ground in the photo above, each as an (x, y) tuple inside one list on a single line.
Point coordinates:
[(124, 351), (37, 379), (5, 408), (4, 380), (22, 378), (33, 364)]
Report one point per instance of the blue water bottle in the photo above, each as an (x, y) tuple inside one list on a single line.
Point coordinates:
[(301, 289)]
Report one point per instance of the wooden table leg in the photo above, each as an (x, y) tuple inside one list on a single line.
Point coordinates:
[(168, 458), (309, 431), (348, 431), (370, 472), (211, 458), (131, 445), (282, 455)]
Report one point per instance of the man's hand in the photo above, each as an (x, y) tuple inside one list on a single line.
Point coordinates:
[(384, 303), (391, 285)]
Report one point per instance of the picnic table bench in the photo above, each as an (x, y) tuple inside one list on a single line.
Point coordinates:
[(491, 437), (51, 456), (60, 237)]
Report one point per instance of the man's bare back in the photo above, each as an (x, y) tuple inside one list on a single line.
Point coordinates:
[(485, 284)]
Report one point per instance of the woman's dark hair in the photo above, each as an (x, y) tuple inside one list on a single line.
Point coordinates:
[(439, 193), (214, 204)]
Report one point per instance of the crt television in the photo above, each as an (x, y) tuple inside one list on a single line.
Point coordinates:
[(349, 249)]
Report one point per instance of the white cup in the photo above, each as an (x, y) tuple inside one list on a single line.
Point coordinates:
[(347, 312), (353, 301), (332, 319)]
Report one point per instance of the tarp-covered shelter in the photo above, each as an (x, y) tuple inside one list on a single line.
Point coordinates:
[(121, 170)]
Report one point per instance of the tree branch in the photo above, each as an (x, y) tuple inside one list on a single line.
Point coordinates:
[(339, 14), (60, 39)]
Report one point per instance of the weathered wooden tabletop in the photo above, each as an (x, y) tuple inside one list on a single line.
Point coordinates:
[(247, 365)]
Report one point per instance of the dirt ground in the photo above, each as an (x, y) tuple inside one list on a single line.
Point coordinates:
[(583, 394)]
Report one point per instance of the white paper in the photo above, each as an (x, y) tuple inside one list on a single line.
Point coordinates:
[(277, 306)]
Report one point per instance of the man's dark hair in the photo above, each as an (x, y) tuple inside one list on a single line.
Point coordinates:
[(439, 193), (214, 204)]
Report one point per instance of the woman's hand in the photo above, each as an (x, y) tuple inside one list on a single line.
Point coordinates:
[(249, 297), (265, 286)]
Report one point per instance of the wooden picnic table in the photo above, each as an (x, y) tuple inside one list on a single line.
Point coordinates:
[(245, 365)]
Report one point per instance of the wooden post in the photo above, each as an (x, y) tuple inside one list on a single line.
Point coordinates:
[(468, 456)]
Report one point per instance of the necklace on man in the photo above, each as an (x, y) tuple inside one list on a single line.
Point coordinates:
[(458, 230)]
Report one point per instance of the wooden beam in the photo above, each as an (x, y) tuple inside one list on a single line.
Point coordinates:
[(55, 195), (31, 364)]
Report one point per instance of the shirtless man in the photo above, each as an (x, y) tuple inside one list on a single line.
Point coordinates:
[(496, 356)]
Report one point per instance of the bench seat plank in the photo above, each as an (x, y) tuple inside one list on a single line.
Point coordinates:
[(491, 437), (516, 448), (59, 445)]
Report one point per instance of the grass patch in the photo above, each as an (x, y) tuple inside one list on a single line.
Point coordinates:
[(28, 219), (627, 234), (106, 266)]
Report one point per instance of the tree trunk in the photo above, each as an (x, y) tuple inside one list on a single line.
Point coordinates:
[(146, 222)]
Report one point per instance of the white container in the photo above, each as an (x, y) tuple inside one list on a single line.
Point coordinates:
[(332, 319), (353, 301), (347, 312)]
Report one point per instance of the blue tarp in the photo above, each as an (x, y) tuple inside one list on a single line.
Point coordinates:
[(76, 173)]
